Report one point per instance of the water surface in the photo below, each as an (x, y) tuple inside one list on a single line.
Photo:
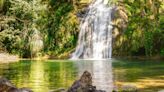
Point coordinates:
[(147, 75), (42, 76)]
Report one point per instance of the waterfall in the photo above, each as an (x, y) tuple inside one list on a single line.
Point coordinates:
[(95, 37)]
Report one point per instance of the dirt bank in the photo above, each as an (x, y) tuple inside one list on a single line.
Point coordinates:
[(6, 58)]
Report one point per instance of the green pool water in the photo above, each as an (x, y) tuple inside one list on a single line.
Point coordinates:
[(43, 76)]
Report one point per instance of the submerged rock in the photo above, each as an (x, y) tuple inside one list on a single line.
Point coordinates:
[(128, 88), (84, 84), (7, 86)]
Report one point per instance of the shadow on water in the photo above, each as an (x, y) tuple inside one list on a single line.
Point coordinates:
[(147, 75)]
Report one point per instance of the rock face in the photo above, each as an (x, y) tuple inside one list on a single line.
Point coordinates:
[(7, 86), (84, 84)]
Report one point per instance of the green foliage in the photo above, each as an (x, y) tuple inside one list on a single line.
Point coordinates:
[(1, 4), (51, 20), (145, 26), (57, 27), (162, 52), (62, 28)]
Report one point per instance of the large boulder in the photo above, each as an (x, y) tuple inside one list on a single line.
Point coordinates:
[(84, 84), (7, 86)]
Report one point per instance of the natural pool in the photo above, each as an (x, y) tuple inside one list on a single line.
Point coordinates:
[(42, 76)]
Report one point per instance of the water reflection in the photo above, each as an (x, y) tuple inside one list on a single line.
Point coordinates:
[(42, 76), (37, 78), (146, 75), (101, 72)]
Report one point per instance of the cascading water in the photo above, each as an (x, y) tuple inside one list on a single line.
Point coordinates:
[(95, 38)]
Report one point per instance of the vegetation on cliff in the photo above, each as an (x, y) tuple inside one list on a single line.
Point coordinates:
[(141, 29), (51, 27), (28, 26)]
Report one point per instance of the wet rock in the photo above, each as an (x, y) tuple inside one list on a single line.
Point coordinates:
[(7, 86), (84, 84), (82, 13)]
